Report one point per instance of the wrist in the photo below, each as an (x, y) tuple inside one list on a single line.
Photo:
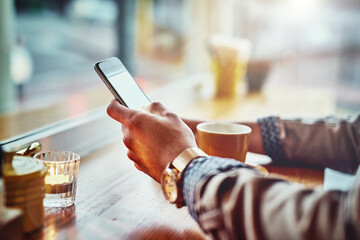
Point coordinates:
[(172, 176)]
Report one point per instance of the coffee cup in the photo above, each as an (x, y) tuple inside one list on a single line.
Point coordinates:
[(224, 139)]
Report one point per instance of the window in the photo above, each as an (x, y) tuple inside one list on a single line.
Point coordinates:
[(50, 47)]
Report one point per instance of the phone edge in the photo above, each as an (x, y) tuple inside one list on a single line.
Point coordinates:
[(108, 84)]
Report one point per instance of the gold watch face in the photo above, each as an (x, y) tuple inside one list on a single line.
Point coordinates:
[(168, 185)]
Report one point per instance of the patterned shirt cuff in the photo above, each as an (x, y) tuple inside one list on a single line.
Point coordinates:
[(199, 169), (271, 140)]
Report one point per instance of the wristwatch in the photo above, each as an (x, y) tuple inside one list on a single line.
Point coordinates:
[(172, 177)]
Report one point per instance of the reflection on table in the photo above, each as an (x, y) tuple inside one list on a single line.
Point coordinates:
[(115, 201)]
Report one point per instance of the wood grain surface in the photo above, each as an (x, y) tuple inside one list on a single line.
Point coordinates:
[(116, 201)]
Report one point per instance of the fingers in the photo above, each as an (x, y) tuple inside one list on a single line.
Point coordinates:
[(130, 117), (160, 110), (121, 113), (137, 167), (118, 112), (132, 156), (124, 129), (156, 108)]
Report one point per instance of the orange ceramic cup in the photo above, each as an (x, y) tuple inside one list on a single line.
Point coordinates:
[(224, 139)]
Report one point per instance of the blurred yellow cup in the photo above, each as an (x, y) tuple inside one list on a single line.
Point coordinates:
[(229, 60)]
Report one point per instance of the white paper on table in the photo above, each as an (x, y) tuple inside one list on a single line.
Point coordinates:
[(335, 180)]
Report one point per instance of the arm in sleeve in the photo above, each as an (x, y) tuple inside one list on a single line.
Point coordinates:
[(234, 202), (332, 142)]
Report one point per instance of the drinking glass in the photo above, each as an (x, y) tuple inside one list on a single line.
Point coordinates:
[(61, 177)]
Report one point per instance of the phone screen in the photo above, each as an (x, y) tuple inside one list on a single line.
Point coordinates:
[(122, 84), (129, 90)]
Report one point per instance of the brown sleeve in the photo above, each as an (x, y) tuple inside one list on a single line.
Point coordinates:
[(332, 142), (240, 204)]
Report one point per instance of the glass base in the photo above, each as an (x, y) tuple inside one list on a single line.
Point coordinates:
[(59, 200)]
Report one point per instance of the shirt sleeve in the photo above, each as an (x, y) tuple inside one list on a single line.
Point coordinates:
[(332, 142), (230, 201), (200, 168)]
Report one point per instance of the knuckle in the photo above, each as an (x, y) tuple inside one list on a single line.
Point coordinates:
[(127, 141), (135, 121), (133, 157), (171, 115), (155, 105), (130, 155)]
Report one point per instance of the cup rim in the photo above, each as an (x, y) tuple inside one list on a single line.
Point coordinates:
[(246, 129), (75, 159)]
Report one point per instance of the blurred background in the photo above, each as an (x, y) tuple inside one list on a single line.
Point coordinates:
[(48, 48)]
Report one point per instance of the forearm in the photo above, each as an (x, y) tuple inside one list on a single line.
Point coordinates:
[(328, 142), (238, 203)]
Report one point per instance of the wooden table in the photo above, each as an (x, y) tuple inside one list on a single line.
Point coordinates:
[(116, 201)]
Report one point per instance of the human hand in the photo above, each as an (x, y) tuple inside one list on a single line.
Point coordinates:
[(153, 138)]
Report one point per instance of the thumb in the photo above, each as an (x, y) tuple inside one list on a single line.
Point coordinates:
[(119, 112)]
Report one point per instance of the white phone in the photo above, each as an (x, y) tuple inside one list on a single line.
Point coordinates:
[(121, 84)]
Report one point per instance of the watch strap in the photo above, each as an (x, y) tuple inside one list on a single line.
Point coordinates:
[(178, 165), (186, 156)]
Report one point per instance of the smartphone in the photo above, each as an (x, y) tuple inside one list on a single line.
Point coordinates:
[(121, 84)]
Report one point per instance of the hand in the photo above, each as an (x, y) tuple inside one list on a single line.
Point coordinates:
[(153, 138)]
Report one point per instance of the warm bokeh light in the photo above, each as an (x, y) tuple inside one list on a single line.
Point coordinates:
[(298, 43)]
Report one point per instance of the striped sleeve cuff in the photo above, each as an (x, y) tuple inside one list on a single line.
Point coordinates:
[(199, 169), (271, 141)]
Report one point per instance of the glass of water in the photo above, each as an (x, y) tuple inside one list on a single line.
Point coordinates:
[(61, 177)]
